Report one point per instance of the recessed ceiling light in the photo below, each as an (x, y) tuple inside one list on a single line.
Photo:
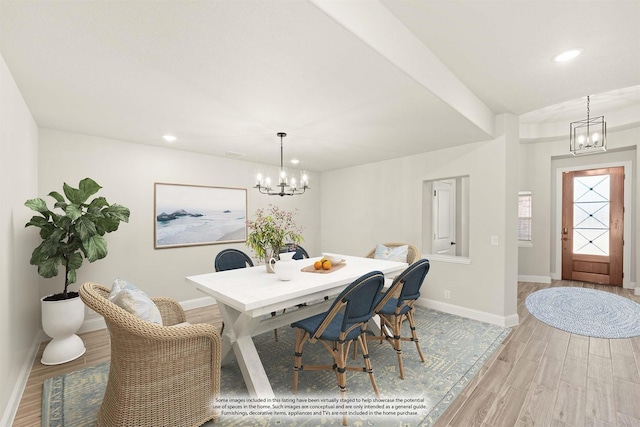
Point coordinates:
[(295, 161), (169, 138), (567, 55)]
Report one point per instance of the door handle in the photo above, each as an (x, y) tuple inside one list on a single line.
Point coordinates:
[(453, 243)]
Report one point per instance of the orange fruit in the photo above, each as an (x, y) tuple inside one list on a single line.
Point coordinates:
[(326, 265), (317, 265)]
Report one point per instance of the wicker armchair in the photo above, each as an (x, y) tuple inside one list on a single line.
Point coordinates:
[(412, 255), (159, 375)]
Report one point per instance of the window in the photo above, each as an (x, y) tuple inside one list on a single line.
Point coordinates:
[(524, 216)]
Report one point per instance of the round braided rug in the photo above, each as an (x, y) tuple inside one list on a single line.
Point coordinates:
[(586, 311)]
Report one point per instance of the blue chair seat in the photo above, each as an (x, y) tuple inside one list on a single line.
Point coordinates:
[(332, 332), (390, 307)]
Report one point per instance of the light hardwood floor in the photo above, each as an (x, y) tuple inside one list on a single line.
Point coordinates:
[(540, 376)]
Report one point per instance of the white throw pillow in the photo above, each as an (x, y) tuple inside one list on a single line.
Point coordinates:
[(133, 300), (398, 253)]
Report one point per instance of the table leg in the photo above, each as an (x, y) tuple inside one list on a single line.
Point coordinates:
[(229, 316), (374, 325), (237, 336), (255, 377)]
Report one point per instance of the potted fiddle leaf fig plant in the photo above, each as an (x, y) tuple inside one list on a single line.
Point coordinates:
[(71, 232)]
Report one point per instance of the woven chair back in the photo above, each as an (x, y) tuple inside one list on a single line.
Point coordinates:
[(412, 253), (356, 301), (231, 259)]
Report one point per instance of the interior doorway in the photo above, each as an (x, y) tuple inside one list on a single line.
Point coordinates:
[(592, 229), (444, 217)]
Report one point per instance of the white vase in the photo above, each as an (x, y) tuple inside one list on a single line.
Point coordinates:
[(288, 256), (61, 320), (285, 268)]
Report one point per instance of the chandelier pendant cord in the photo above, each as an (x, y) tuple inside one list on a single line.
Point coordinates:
[(282, 155)]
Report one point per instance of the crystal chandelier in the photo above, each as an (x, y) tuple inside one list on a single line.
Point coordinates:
[(286, 186), (588, 136)]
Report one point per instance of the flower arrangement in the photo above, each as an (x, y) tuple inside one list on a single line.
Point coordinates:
[(272, 228)]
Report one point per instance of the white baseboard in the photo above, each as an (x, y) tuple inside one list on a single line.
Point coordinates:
[(197, 303), (503, 321), (93, 323), (11, 409), (534, 279)]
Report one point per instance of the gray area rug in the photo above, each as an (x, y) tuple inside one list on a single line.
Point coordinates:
[(455, 349), (586, 312)]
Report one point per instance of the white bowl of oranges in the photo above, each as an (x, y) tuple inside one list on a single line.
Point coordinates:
[(327, 261)]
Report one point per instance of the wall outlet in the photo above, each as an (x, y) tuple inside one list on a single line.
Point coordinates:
[(447, 294), (494, 240)]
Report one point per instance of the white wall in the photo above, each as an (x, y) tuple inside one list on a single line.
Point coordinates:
[(127, 172), (381, 202), (538, 172), (19, 304)]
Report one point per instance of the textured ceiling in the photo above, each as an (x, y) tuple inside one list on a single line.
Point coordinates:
[(351, 82)]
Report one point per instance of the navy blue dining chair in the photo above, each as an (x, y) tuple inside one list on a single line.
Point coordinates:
[(393, 311), (231, 259), (300, 253), (342, 325)]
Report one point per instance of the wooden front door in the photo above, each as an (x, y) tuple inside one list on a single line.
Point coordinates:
[(592, 225)]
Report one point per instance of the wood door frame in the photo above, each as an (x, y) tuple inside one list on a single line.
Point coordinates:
[(557, 230)]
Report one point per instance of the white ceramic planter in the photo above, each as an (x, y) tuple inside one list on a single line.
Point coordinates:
[(61, 320)]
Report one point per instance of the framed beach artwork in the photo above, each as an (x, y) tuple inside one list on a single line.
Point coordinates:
[(189, 215)]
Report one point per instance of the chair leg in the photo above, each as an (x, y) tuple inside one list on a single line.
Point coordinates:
[(301, 337), (340, 357), (385, 327), (362, 340), (397, 342), (414, 335)]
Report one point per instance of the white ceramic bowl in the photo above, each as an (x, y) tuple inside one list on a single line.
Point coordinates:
[(333, 258)]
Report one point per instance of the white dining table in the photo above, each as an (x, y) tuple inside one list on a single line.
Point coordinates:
[(246, 297)]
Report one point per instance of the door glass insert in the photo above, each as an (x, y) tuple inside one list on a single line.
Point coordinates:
[(591, 215)]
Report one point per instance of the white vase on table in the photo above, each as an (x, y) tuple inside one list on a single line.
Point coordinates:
[(286, 267)]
